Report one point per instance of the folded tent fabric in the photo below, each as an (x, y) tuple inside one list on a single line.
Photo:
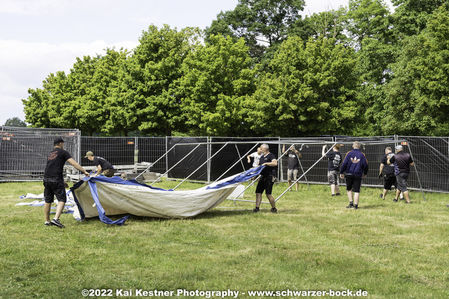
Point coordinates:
[(101, 196)]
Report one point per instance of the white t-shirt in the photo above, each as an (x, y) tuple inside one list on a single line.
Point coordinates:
[(256, 158)]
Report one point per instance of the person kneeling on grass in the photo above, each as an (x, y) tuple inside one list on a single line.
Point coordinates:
[(355, 166), (103, 166), (54, 181), (267, 178)]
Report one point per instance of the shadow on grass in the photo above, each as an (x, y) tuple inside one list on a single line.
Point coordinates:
[(375, 206), (206, 215)]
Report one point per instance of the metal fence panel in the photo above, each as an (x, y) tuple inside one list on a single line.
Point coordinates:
[(24, 151)]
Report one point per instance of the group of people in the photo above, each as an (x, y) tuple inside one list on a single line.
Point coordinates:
[(394, 169)]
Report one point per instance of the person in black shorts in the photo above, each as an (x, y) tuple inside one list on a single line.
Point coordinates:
[(54, 181), (267, 178), (354, 167), (386, 171), (103, 166), (402, 162)]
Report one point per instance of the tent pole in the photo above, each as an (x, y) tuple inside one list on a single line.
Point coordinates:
[(416, 171), (297, 180), (201, 166), (236, 163), (157, 160), (159, 178), (240, 157), (252, 183)]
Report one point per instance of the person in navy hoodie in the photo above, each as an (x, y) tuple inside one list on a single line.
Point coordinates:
[(354, 167)]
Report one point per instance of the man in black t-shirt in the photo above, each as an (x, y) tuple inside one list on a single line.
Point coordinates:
[(402, 162), (333, 167), (54, 181), (103, 165), (293, 156), (267, 178), (387, 172)]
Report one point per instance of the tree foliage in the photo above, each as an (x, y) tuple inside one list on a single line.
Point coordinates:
[(15, 122), (263, 69), (310, 90)]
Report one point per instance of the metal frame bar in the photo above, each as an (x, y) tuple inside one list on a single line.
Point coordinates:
[(157, 160), (240, 157), (416, 170), (298, 179), (235, 163), (176, 164), (200, 166)]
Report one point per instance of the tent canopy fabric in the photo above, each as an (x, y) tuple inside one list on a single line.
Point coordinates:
[(102, 197)]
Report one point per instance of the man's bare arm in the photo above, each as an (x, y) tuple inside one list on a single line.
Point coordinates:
[(273, 163), (77, 166)]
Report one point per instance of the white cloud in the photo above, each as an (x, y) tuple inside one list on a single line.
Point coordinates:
[(31, 7), (25, 65)]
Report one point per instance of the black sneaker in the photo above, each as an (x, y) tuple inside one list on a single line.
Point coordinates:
[(381, 195), (356, 207), (274, 210), (350, 206), (395, 200), (47, 223), (334, 194), (256, 209), (338, 194), (57, 223)]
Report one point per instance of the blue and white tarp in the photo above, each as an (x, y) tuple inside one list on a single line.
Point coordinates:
[(101, 196)]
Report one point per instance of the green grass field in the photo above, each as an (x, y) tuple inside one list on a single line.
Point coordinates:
[(391, 250)]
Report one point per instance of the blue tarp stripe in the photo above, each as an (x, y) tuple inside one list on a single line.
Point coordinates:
[(243, 177), (101, 212)]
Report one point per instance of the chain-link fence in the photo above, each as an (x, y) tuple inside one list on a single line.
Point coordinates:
[(24, 152)]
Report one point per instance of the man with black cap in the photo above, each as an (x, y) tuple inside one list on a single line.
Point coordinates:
[(103, 166), (402, 162), (54, 181)]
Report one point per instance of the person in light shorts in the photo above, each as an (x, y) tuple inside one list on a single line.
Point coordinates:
[(293, 156), (333, 167)]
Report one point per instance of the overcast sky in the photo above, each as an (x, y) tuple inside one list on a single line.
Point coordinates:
[(39, 37)]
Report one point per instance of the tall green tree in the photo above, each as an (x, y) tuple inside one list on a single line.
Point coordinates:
[(262, 23), (418, 95), (411, 16), (144, 97), (328, 24), (217, 79), (310, 91), (15, 122), (78, 99)]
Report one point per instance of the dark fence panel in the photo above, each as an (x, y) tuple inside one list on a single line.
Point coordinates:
[(117, 150), (192, 161), (150, 149), (24, 151), (232, 153)]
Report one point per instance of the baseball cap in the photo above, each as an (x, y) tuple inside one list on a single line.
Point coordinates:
[(58, 140), (89, 153), (398, 147)]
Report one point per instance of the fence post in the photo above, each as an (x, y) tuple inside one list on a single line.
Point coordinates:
[(208, 154), (166, 157), (79, 147), (136, 150)]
